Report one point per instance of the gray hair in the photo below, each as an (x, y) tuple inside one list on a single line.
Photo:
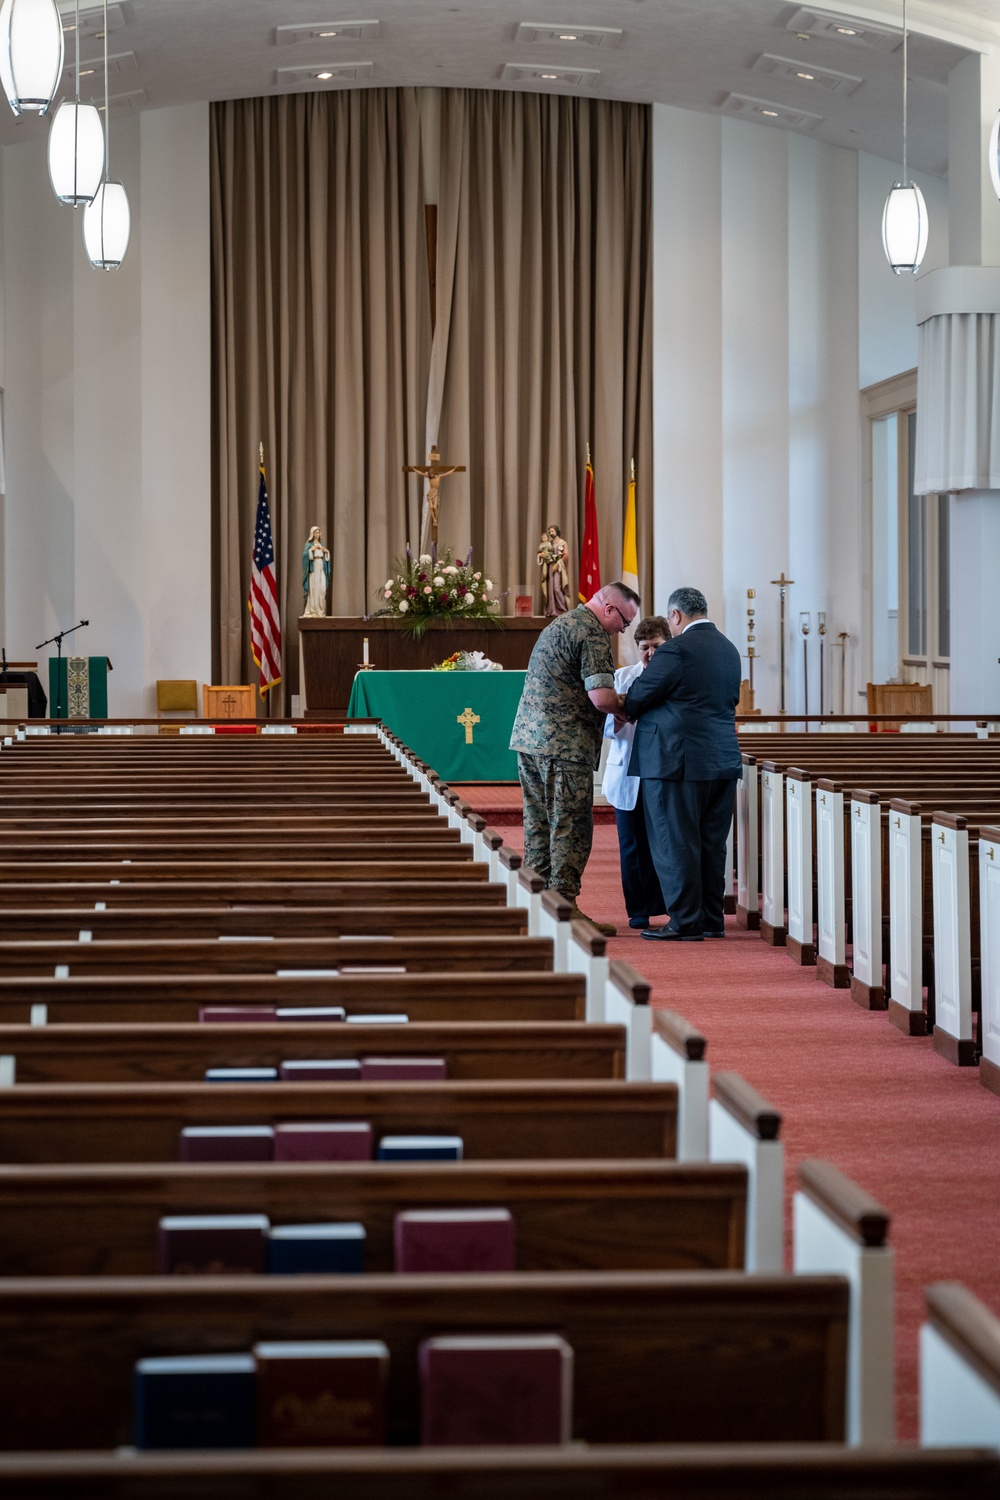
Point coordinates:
[(688, 601)]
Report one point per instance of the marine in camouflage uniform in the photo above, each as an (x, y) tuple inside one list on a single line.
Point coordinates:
[(557, 735)]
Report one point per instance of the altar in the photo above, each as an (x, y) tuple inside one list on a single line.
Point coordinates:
[(331, 649), (458, 722)]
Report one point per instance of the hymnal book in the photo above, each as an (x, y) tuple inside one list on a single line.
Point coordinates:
[(388, 1018), (321, 1395), (227, 1143), (320, 1070), (241, 1075), (219, 1014), (213, 1244), (454, 1239), (310, 1013), (496, 1389), (316, 1249), (420, 1148), (349, 969), (195, 1401), (403, 1069), (321, 1140), (306, 973)]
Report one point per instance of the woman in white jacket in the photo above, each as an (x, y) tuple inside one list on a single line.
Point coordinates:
[(640, 885)]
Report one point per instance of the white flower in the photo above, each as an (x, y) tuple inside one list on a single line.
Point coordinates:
[(438, 581), (388, 583), (451, 569), (469, 599), (425, 557), (453, 592), (402, 606), (477, 576), (488, 584), (427, 590)]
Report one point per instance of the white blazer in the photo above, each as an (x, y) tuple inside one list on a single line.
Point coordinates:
[(621, 790)]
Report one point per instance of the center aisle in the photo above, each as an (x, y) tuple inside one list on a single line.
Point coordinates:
[(920, 1135)]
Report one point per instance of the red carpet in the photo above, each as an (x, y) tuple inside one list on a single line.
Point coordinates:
[(920, 1135)]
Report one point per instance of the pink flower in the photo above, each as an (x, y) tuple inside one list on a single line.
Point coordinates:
[(428, 589), (388, 593)]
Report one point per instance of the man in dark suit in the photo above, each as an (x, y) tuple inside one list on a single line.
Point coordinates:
[(688, 757)]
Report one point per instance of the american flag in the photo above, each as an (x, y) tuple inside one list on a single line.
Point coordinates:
[(265, 626)]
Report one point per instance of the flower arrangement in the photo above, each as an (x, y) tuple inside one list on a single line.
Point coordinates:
[(432, 586), (468, 661)]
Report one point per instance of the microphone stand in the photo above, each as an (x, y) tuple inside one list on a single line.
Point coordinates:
[(57, 641)]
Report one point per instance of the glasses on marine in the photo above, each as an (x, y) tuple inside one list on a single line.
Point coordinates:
[(625, 623)]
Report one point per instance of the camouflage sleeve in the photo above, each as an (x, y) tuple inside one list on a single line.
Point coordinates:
[(597, 665)]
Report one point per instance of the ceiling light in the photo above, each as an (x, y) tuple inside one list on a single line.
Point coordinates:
[(845, 31), (31, 54), (76, 145), (324, 76), (772, 112), (107, 221), (904, 218), (809, 77), (550, 75), (328, 33), (567, 36)]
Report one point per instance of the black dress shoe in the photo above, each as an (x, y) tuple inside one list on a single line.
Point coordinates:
[(669, 934), (720, 934)]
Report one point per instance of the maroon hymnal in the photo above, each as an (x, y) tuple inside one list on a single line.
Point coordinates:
[(320, 1070), (403, 1069), (217, 1014), (321, 1395), (454, 1239), (496, 1389), (227, 1143), (317, 1140), (213, 1244)]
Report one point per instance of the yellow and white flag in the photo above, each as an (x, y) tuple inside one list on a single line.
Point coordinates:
[(628, 651)]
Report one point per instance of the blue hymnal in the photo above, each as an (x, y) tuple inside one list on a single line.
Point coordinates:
[(195, 1401), (386, 1018), (420, 1148), (241, 1075), (317, 1249)]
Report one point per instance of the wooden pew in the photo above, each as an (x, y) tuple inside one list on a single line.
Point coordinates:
[(449, 862), (434, 995), (959, 1369), (497, 1119), (758, 1471), (206, 923), (470, 884), (658, 1356), (569, 1215), (148, 1052)]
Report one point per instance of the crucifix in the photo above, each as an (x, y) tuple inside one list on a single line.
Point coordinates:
[(433, 471), (467, 719), (783, 583)]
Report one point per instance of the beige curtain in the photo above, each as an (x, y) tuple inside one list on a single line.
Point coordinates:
[(321, 343), (544, 325)]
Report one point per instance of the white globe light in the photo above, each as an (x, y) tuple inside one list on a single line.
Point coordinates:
[(904, 228), (994, 156), (76, 153), (106, 226), (31, 54)]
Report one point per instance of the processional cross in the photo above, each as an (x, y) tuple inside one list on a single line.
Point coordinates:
[(433, 471)]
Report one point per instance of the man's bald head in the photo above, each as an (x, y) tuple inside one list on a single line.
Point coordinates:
[(616, 606)]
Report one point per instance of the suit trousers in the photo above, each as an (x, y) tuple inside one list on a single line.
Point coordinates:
[(640, 882), (688, 825)]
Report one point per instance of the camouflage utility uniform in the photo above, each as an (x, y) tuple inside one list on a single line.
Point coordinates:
[(557, 735)]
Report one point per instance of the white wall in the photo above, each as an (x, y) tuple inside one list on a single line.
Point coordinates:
[(107, 414)]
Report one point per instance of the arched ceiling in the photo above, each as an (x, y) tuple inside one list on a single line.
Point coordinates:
[(781, 65)]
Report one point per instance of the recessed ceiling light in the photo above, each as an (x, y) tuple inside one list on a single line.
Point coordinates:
[(846, 31), (809, 77), (550, 75), (568, 36), (324, 76), (86, 72), (328, 33), (772, 112)]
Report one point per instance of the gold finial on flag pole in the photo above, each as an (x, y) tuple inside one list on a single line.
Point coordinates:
[(588, 453), (632, 473), (262, 452)]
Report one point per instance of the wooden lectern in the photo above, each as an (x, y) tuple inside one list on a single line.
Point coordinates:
[(228, 702)]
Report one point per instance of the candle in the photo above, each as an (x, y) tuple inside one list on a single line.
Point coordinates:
[(365, 654)]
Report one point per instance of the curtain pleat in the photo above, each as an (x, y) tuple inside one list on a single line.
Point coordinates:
[(322, 340)]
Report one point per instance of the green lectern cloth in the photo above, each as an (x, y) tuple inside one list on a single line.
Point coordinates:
[(82, 692), (458, 722)]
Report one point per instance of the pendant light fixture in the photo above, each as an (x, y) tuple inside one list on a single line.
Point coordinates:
[(994, 156), (904, 218), (31, 54), (76, 145), (107, 220)]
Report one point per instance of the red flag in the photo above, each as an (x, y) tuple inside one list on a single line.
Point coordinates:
[(590, 552)]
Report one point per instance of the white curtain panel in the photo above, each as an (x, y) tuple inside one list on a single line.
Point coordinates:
[(958, 404)]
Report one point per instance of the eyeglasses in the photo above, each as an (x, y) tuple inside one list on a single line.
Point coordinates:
[(625, 623)]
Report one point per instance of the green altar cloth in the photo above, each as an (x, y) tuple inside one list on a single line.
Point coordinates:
[(458, 722), (82, 692)]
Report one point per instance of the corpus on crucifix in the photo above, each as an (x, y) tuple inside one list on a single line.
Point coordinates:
[(433, 471)]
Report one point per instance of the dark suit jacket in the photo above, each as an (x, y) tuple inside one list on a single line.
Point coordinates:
[(685, 703)]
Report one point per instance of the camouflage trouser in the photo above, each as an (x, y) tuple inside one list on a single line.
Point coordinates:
[(558, 820)]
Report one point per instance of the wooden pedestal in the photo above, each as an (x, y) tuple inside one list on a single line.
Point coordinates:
[(237, 702)]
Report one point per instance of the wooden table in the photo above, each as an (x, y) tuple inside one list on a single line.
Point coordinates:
[(331, 649)]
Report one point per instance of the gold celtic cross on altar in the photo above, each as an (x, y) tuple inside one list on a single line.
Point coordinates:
[(433, 471), (467, 720)]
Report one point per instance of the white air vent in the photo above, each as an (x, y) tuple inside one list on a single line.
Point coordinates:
[(343, 72), (806, 72), (588, 36), (550, 73), (326, 31), (91, 17), (845, 29), (118, 62), (766, 109)]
